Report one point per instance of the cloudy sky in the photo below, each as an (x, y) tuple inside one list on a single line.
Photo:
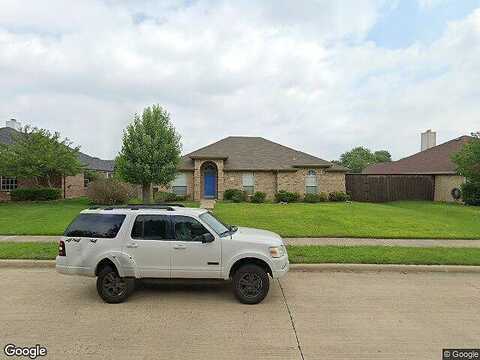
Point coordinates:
[(322, 76)]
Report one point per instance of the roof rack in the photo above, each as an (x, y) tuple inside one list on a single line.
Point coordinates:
[(162, 206)]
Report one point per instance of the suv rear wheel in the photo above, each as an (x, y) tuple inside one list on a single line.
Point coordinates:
[(112, 288), (250, 284)]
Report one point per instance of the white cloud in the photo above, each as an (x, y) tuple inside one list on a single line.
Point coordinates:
[(302, 75)]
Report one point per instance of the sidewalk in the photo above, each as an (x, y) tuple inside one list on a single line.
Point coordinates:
[(312, 241), (383, 242)]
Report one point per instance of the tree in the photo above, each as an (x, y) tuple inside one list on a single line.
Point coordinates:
[(468, 159), (150, 152), (39, 155), (360, 157), (382, 156)]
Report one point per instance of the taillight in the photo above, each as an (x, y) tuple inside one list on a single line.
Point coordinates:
[(61, 248)]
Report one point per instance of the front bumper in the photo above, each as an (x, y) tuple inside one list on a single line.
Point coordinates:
[(280, 267)]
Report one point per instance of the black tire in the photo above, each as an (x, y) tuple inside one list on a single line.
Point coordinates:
[(112, 288), (250, 284)]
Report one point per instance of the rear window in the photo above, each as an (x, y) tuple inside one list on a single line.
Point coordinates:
[(95, 225)]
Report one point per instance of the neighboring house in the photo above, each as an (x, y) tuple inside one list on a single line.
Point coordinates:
[(72, 186), (433, 160), (254, 164)]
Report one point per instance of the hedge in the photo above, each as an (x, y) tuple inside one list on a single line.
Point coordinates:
[(36, 194)]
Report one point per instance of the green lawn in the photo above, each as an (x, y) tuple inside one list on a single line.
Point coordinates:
[(403, 219), (383, 255), (42, 218), (305, 254), (28, 250)]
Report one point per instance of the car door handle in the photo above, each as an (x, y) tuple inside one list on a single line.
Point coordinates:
[(180, 247), (132, 245)]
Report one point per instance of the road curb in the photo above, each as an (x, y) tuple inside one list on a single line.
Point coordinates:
[(354, 268), (18, 263), (358, 268)]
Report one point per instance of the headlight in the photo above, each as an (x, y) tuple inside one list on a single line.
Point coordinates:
[(277, 251)]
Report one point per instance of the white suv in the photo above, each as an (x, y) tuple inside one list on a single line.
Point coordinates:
[(119, 245)]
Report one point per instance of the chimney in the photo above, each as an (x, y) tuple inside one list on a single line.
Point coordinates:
[(429, 139), (13, 124)]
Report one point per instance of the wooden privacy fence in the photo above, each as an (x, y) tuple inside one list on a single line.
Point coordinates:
[(381, 188)]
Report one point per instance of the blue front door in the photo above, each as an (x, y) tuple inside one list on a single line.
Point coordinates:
[(210, 183)]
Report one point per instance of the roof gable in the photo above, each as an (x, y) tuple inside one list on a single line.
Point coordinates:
[(436, 160), (253, 153)]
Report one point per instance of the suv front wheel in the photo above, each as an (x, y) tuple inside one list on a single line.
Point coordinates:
[(250, 284), (112, 288)]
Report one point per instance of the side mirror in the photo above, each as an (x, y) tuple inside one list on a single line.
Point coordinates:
[(207, 238)]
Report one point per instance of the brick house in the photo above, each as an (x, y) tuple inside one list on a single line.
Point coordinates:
[(254, 164), (72, 186), (433, 160)]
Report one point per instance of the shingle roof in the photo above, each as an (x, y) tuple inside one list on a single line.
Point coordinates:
[(255, 153), (91, 163), (436, 160)]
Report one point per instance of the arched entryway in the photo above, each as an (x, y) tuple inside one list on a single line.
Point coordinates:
[(209, 180)]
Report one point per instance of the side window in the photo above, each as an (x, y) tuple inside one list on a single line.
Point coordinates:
[(188, 229), (151, 227), (104, 226)]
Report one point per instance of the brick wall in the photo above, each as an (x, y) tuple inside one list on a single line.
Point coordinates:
[(270, 182), (444, 185), (74, 186)]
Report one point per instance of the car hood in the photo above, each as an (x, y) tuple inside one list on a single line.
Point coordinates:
[(257, 235)]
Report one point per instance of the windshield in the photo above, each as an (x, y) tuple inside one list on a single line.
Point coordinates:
[(219, 227)]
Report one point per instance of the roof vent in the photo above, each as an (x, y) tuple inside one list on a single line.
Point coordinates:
[(13, 124), (429, 139)]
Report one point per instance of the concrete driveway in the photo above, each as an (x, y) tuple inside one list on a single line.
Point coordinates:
[(335, 316)]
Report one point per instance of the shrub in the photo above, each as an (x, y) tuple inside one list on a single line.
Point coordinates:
[(110, 192), (285, 196), (164, 196), (339, 196), (235, 195), (311, 198), (471, 193), (323, 197), (258, 197), (239, 196), (36, 194)]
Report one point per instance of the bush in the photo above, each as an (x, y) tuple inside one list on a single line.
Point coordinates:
[(110, 192), (164, 196), (338, 196), (471, 193), (239, 196), (258, 197), (315, 198), (323, 197), (235, 195), (285, 196), (36, 194)]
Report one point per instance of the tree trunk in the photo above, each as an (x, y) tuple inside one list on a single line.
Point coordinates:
[(147, 193)]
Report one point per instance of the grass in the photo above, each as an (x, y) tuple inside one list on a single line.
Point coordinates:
[(402, 219), (384, 255), (42, 218), (305, 254), (28, 250)]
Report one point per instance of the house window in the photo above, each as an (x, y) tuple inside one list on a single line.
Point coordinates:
[(179, 185), (8, 183), (248, 182), (311, 182)]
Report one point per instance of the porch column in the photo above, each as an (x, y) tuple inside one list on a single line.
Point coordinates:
[(196, 181)]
